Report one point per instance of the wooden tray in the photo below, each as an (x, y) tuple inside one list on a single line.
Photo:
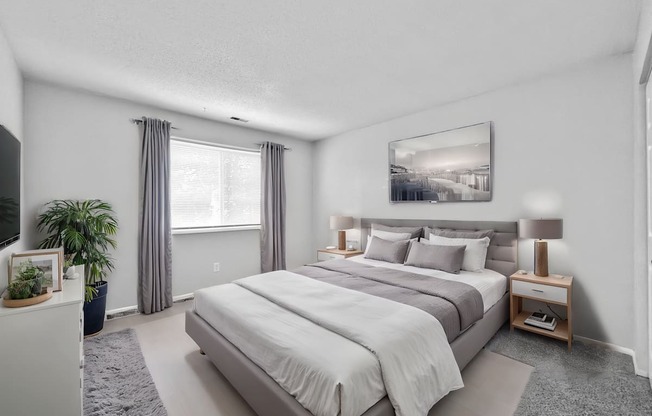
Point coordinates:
[(19, 303)]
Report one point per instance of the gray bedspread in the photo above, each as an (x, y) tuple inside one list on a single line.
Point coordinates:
[(456, 305)]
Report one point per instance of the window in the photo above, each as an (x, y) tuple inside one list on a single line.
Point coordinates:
[(213, 186)]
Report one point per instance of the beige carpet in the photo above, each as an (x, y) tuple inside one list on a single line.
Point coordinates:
[(189, 384)]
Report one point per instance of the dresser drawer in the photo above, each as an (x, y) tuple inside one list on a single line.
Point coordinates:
[(543, 292), (321, 256)]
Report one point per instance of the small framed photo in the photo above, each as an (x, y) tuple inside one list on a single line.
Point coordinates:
[(48, 260)]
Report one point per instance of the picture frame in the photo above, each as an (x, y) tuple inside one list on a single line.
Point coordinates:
[(49, 260), (449, 166)]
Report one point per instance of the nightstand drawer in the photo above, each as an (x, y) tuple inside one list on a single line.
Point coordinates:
[(543, 292), (321, 256)]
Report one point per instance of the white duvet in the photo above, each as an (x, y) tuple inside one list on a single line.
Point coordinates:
[(336, 350)]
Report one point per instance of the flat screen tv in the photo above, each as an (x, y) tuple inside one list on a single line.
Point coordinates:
[(9, 188)]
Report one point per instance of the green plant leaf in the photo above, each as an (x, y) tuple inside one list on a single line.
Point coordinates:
[(90, 293), (84, 229)]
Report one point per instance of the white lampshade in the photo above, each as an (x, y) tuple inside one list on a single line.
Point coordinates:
[(341, 223)]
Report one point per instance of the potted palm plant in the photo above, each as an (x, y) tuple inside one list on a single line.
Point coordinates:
[(85, 230)]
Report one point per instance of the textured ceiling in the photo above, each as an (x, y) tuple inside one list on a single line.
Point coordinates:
[(310, 69)]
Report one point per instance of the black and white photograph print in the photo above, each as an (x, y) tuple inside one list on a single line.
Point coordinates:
[(450, 166)]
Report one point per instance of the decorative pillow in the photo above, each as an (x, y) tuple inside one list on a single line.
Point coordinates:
[(448, 233), (386, 235), (446, 258), (474, 255), (371, 237), (414, 231), (390, 251)]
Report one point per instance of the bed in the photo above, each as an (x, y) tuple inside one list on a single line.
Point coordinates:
[(265, 395)]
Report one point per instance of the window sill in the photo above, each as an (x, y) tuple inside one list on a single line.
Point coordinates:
[(216, 229)]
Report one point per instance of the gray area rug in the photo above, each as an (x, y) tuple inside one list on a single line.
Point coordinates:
[(116, 379), (590, 380)]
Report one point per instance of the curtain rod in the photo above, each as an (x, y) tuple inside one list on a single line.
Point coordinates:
[(289, 149), (138, 121)]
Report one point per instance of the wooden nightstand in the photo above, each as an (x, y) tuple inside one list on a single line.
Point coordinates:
[(325, 254), (554, 289)]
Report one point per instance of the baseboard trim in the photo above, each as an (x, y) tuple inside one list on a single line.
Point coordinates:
[(133, 310), (613, 347), (181, 298)]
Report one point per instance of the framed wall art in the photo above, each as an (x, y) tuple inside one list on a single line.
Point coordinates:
[(449, 166)]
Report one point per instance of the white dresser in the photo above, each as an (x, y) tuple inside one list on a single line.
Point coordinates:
[(41, 355)]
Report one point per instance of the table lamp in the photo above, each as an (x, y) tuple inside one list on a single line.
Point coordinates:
[(541, 229), (341, 224)]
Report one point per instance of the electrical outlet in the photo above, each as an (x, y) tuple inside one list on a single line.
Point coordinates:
[(216, 267)]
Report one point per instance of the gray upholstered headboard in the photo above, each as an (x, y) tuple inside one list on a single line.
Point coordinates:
[(502, 255)]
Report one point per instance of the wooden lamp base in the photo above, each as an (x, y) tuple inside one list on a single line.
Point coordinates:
[(341, 240), (541, 258)]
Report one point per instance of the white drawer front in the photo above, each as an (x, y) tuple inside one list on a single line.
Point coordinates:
[(543, 292), (321, 256)]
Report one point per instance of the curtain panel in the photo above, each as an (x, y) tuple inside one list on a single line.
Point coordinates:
[(272, 212), (155, 232)]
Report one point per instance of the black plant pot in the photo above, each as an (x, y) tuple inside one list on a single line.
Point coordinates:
[(95, 309)]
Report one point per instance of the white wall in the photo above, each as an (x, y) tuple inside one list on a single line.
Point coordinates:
[(80, 145), (642, 38), (642, 289), (563, 147), (11, 116)]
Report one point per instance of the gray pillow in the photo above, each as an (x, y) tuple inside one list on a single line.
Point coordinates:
[(446, 258), (390, 251), (448, 233), (414, 231)]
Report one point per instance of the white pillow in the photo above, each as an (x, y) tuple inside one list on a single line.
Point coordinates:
[(475, 253), (390, 236)]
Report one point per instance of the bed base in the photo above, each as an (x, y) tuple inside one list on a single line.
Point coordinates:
[(267, 398)]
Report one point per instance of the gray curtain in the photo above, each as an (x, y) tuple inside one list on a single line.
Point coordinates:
[(154, 238), (272, 213)]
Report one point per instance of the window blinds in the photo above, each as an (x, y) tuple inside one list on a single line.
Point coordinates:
[(213, 186)]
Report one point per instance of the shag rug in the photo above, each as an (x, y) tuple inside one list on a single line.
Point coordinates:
[(590, 380), (116, 379)]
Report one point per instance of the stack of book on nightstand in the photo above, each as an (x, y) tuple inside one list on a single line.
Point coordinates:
[(541, 320)]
